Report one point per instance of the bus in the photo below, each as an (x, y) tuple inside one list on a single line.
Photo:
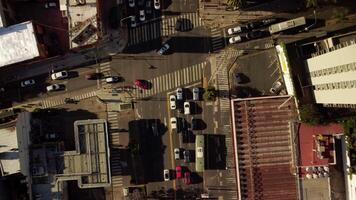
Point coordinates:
[(199, 150), (293, 23)]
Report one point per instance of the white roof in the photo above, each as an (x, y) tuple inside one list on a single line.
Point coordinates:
[(17, 43), (9, 157), (338, 95)]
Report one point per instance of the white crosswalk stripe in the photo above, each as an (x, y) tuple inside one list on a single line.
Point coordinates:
[(105, 70), (164, 26), (172, 80), (217, 40), (59, 100), (116, 181)]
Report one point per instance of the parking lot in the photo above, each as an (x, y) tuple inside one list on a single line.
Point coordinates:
[(257, 73)]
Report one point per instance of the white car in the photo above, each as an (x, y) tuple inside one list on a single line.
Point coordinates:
[(50, 5), (237, 29), (173, 123), (157, 4), (186, 108), (27, 83), (172, 102), (179, 92), (176, 153), (163, 49), (112, 79), (132, 3), (54, 87), (133, 21), (59, 75), (142, 15), (235, 39), (196, 94), (166, 175)]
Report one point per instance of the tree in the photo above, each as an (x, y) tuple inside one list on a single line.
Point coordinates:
[(236, 3), (210, 94), (311, 114)]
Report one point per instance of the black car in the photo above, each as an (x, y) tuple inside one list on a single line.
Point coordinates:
[(256, 34), (194, 124), (261, 23)]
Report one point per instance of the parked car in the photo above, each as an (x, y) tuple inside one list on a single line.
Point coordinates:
[(177, 153), (194, 124), (50, 5), (196, 94), (254, 25), (157, 4), (172, 102), (141, 84), (237, 29), (148, 7), (133, 21), (166, 175), (59, 75), (54, 87), (154, 127), (173, 123), (276, 87), (239, 78), (235, 39), (141, 2), (112, 79), (186, 108), (186, 155), (27, 83), (52, 136), (163, 49), (93, 76), (132, 3), (142, 15), (256, 34), (179, 93), (187, 179), (179, 172)]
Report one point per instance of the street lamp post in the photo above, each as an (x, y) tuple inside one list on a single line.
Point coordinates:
[(307, 28)]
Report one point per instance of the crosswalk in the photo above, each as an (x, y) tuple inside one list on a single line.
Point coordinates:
[(217, 40), (162, 27), (105, 70), (115, 158), (59, 100), (167, 82)]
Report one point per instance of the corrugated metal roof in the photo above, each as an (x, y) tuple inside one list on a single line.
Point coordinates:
[(18, 43)]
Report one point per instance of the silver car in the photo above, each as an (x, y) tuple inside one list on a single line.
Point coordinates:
[(163, 49), (196, 94), (179, 92), (176, 153)]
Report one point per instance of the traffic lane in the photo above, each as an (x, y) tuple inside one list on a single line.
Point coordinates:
[(195, 41), (181, 6)]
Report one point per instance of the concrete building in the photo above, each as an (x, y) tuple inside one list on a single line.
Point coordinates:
[(48, 167), (83, 21), (333, 75), (9, 155), (18, 43)]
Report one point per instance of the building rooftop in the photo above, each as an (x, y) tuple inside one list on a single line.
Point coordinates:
[(82, 21), (309, 138), (18, 43), (9, 155), (263, 151), (89, 162)]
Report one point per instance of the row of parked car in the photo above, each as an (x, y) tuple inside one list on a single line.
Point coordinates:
[(145, 7), (181, 172), (249, 29)]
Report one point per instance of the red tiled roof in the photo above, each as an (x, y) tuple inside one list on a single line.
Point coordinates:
[(307, 135)]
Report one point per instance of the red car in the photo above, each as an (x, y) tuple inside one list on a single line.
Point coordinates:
[(179, 172), (141, 84), (186, 179), (93, 76)]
